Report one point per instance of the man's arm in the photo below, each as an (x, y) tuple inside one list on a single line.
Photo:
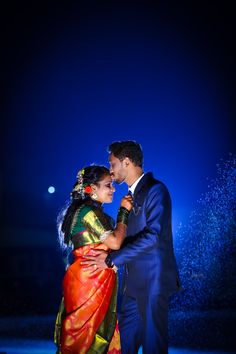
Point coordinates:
[(157, 210)]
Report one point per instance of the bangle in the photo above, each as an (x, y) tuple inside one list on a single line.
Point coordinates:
[(122, 216), (109, 262)]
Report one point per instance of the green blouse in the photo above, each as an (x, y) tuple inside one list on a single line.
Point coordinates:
[(89, 224)]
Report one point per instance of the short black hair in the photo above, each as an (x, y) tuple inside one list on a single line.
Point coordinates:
[(128, 148)]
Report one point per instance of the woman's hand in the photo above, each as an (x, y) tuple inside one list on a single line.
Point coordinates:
[(127, 202)]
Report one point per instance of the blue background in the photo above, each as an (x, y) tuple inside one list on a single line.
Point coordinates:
[(77, 76)]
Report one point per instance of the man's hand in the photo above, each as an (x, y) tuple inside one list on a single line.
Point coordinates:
[(95, 263)]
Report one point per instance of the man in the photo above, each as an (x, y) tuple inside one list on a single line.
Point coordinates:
[(150, 271)]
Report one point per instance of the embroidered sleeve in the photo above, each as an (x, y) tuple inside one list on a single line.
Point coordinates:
[(97, 222)]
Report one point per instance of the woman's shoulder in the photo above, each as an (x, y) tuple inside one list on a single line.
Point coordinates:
[(89, 208), (85, 209), (93, 215)]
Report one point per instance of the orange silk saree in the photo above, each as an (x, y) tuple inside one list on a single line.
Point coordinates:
[(87, 319)]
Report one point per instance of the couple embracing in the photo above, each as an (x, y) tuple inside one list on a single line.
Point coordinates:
[(140, 241)]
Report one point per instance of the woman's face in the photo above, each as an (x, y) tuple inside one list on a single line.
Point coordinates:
[(104, 190)]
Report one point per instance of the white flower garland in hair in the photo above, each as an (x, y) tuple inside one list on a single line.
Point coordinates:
[(79, 186)]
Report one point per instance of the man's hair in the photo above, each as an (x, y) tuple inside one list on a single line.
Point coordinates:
[(130, 149)]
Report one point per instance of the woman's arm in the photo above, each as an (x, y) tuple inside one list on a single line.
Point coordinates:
[(113, 239)]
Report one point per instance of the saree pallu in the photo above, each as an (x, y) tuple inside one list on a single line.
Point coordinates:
[(89, 323)]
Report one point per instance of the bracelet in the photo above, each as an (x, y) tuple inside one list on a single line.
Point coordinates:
[(122, 216), (110, 264), (108, 261), (105, 235)]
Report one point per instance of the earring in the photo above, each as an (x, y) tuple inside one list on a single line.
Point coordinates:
[(94, 196)]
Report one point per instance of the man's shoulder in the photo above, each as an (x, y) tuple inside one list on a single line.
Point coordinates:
[(151, 181), (149, 184), (158, 191), (154, 185)]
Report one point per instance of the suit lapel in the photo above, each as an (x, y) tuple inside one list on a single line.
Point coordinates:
[(143, 182), (140, 191)]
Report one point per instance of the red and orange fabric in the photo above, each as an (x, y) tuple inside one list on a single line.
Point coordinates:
[(88, 321)]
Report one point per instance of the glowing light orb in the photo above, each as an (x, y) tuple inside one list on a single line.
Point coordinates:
[(51, 189)]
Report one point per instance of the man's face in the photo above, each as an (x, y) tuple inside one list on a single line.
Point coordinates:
[(117, 169)]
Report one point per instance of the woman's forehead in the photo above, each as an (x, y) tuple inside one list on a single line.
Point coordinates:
[(106, 178)]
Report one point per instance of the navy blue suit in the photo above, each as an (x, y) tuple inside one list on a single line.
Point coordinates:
[(150, 271)]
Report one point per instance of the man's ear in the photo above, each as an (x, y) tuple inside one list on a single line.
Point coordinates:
[(127, 161)]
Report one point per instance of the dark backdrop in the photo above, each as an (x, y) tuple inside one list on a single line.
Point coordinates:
[(77, 76)]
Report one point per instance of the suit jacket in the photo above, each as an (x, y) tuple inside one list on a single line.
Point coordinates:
[(147, 252)]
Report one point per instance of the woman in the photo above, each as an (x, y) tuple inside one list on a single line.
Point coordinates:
[(87, 321)]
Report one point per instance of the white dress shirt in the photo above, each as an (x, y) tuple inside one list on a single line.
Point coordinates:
[(132, 188)]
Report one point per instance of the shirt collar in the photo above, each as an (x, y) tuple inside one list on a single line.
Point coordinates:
[(134, 185)]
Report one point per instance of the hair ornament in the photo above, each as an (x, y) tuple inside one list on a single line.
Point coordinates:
[(80, 176), (80, 188), (87, 189)]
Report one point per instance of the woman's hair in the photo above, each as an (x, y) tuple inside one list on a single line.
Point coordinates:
[(80, 193)]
